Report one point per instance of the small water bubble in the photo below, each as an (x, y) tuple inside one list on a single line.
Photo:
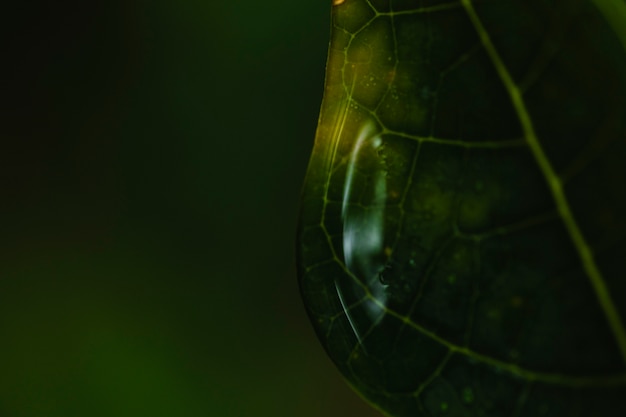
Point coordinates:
[(384, 276)]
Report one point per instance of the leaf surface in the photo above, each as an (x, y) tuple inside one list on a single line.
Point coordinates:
[(462, 241)]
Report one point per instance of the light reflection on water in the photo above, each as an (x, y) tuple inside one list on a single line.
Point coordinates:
[(363, 219)]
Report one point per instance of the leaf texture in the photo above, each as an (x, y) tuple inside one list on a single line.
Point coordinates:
[(462, 241)]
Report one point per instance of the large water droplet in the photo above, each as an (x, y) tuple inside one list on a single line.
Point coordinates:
[(355, 263), (362, 216)]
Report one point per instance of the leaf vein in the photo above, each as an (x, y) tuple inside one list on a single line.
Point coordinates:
[(554, 183)]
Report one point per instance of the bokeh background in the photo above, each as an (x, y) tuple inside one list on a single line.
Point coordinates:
[(151, 163)]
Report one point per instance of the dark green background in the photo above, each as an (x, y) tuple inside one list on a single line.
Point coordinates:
[(151, 164)]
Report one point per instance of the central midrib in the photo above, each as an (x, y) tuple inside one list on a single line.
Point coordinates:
[(554, 184)]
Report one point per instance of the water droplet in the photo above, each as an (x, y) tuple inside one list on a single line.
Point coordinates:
[(385, 275), (358, 220), (351, 199)]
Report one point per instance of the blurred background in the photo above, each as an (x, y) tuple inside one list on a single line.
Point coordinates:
[(152, 154)]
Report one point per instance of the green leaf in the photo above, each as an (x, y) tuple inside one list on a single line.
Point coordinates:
[(462, 241)]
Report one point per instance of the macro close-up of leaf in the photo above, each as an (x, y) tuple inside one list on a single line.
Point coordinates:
[(462, 239)]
